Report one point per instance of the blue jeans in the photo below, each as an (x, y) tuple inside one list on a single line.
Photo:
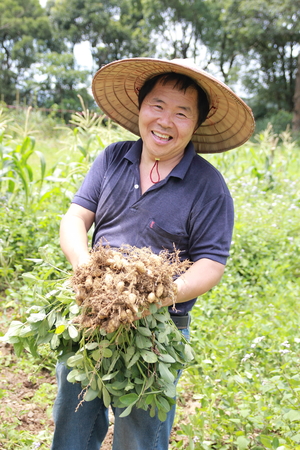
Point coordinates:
[(87, 428)]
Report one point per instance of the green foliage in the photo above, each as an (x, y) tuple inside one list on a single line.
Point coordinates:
[(248, 42), (130, 367), (280, 121), (24, 30), (61, 82), (246, 330), (113, 28), (33, 198)]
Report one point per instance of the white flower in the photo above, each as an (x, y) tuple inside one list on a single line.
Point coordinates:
[(257, 340), (286, 344), (247, 356), (284, 351)]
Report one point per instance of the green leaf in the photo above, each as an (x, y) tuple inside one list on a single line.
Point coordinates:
[(126, 411), (74, 309), (43, 329), (166, 358), (12, 340), (129, 399), (104, 343), (110, 376), (107, 353), (266, 441), (149, 399), (242, 443), (14, 328), (134, 359), (162, 316), (129, 354), (150, 320), (36, 317), (149, 382), (144, 331), (165, 373), (74, 360), (163, 404), (29, 277), (18, 348), (106, 397), (81, 377), (54, 343), (72, 331), (51, 318), (162, 415), (292, 415), (26, 331), (188, 352), (170, 390), (96, 355), (42, 163), (118, 386), (149, 357), (91, 345), (143, 341), (90, 395)]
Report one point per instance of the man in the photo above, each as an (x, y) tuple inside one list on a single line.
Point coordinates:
[(158, 193)]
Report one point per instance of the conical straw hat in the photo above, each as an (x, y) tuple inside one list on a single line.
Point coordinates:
[(228, 125)]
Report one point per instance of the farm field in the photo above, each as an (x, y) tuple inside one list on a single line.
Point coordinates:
[(242, 390)]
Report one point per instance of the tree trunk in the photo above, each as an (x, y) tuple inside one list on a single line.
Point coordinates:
[(296, 111)]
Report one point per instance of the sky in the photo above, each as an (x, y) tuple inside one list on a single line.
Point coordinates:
[(83, 56)]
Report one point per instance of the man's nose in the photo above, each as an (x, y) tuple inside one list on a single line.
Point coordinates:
[(165, 119)]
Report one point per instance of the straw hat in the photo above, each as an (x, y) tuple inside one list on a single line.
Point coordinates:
[(229, 124)]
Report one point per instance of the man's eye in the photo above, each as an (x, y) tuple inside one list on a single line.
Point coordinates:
[(181, 115)]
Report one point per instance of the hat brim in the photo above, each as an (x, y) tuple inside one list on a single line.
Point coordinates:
[(229, 123)]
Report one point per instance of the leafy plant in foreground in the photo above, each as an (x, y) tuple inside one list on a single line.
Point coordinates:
[(131, 366)]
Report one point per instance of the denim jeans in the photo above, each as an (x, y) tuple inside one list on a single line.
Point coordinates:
[(87, 428)]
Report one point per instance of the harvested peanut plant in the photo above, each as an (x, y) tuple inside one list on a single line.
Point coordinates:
[(113, 334)]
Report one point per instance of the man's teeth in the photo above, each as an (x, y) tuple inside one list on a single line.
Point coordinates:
[(163, 136)]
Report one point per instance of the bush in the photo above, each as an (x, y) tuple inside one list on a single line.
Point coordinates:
[(279, 121)]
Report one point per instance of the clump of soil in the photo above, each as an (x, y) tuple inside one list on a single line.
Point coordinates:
[(118, 285)]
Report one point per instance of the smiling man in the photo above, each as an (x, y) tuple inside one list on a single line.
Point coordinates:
[(156, 192)]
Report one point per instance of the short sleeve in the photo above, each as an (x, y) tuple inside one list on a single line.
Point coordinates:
[(88, 194), (211, 228)]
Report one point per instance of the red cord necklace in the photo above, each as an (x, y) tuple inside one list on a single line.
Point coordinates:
[(155, 167)]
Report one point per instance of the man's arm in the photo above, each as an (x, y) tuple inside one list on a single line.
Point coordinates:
[(203, 275), (73, 234)]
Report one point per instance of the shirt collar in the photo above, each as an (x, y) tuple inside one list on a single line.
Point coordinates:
[(134, 153)]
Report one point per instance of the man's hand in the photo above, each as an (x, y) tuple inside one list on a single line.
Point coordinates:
[(203, 275)]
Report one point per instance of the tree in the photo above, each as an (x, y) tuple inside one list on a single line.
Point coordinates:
[(271, 35), (296, 116), (24, 31), (60, 82), (114, 28), (256, 41)]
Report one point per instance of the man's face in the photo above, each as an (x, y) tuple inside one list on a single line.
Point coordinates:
[(167, 120)]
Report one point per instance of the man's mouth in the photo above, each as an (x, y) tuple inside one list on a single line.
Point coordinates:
[(164, 137)]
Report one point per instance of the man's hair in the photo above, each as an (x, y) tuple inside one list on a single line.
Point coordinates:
[(182, 83)]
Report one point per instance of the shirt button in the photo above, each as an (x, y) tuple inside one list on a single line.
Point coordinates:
[(136, 186)]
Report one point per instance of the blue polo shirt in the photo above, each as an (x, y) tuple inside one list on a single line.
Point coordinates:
[(191, 208)]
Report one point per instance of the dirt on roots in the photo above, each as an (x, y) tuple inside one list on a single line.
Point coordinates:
[(117, 286)]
